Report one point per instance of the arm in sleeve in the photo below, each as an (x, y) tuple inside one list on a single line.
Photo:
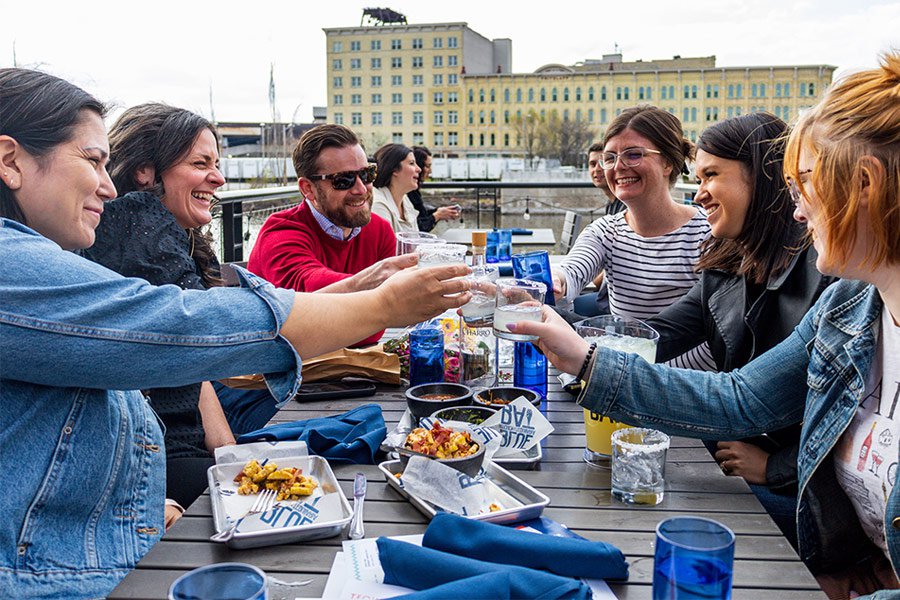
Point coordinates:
[(291, 261), (587, 258), (681, 325), (781, 467)]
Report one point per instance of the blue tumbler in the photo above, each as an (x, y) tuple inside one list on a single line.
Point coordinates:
[(504, 249), (426, 354), (530, 368), (535, 266), (491, 252)]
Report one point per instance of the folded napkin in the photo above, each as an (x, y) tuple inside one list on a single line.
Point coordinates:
[(490, 586), (424, 568), (571, 557), (352, 437)]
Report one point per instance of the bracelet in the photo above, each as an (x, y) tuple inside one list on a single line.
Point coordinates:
[(587, 362)]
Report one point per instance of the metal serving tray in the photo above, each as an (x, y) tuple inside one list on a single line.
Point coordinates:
[(522, 461), (520, 501), (322, 515)]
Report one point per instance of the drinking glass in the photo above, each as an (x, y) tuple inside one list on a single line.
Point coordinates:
[(504, 246), (408, 241), (491, 252), (221, 581), (435, 255), (426, 354), (479, 311), (620, 333), (639, 465), (694, 559), (536, 267), (530, 368), (517, 300)]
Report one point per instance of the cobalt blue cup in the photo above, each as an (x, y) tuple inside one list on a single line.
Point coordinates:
[(426, 355), (221, 581), (535, 266), (491, 252), (504, 248), (694, 559)]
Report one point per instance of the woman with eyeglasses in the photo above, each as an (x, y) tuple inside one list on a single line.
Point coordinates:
[(650, 250), (82, 450), (398, 174), (839, 370)]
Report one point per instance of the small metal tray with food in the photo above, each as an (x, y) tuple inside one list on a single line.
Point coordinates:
[(516, 500), (522, 461), (321, 514)]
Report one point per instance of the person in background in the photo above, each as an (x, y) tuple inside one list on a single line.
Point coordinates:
[(164, 163), (650, 250), (598, 178), (78, 340), (758, 278), (428, 216), (838, 371), (398, 174)]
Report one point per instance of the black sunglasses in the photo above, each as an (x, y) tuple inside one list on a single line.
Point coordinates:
[(347, 179)]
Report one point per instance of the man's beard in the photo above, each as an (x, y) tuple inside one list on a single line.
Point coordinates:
[(342, 218)]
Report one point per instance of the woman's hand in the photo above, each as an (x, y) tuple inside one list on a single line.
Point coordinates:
[(558, 341), (173, 512), (744, 460), (559, 285), (446, 213)]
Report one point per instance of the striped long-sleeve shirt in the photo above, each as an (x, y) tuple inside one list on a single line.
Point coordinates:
[(645, 275)]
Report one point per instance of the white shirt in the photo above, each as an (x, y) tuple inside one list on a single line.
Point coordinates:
[(384, 206), (865, 457)]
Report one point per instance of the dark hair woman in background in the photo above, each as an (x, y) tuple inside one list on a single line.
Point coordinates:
[(398, 174), (428, 216)]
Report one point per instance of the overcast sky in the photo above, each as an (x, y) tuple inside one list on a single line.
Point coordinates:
[(175, 51)]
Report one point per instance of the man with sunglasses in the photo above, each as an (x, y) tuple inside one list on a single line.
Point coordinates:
[(331, 242)]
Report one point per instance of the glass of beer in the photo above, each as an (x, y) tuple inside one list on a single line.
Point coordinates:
[(625, 334)]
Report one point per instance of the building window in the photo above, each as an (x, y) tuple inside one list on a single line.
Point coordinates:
[(375, 45), (578, 114), (376, 98), (481, 139), (418, 80), (481, 95), (754, 91), (731, 90), (452, 42), (396, 44), (453, 137), (355, 98), (438, 60), (590, 115), (338, 99), (762, 90), (578, 94), (709, 90), (339, 118), (687, 92), (452, 117), (506, 139), (481, 117), (418, 138), (418, 117), (337, 47), (519, 95), (685, 115), (566, 115), (787, 90), (396, 62), (355, 63), (471, 117), (396, 98), (694, 92), (452, 60), (493, 118), (603, 93), (356, 118), (452, 97), (356, 82), (396, 118), (438, 42), (438, 137), (376, 80), (417, 43), (471, 140), (641, 93), (506, 95), (438, 79), (354, 46), (452, 79), (591, 94), (493, 139), (439, 97), (396, 80), (438, 117), (802, 90), (553, 95), (543, 95), (493, 96), (694, 114), (506, 117), (531, 94), (471, 95), (418, 97), (338, 82), (739, 92), (397, 138), (603, 116), (376, 63), (417, 62), (777, 95), (337, 64)]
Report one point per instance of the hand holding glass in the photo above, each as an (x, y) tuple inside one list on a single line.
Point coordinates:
[(517, 300), (408, 241), (479, 311)]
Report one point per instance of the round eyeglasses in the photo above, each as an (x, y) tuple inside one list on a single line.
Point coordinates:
[(631, 157)]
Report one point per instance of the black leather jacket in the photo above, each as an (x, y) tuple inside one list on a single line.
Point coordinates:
[(716, 311)]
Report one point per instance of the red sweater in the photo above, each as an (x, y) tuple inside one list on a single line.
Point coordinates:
[(293, 252)]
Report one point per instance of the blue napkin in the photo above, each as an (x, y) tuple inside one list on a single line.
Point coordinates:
[(571, 557), (423, 568), (353, 437), (490, 586)]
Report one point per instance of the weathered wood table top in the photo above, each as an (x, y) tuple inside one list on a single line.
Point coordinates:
[(766, 567)]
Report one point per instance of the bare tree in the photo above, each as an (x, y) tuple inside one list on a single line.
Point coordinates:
[(563, 139), (527, 132)]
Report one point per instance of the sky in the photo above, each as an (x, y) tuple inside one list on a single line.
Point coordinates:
[(183, 52)]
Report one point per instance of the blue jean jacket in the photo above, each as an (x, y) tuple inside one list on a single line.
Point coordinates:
[(83, 461), (816, 375)]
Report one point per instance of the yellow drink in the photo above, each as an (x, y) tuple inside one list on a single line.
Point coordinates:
[(598, 430)]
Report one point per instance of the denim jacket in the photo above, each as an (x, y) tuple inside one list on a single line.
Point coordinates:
[(816, 375), (83, 459)]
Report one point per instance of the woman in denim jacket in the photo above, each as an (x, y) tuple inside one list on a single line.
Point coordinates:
[(838, 372), (84, 459)]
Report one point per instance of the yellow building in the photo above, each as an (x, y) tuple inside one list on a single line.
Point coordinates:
[(452, 89)]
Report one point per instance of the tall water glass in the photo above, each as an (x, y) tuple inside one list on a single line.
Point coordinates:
[(535, 266), (408, 241), (436, 255), (694, 559), (479, 311), (221, 581), (426, 354), (491, 252), (620, 333), (504, 245), (517, 300), (530, 368)]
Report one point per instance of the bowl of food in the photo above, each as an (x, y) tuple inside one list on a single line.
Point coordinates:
[(424, 399), (498, 397), (452, 447), (473, 415)]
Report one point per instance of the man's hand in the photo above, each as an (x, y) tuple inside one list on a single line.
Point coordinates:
[(744, 460), (558, 341), (415, 295), (373, 276)]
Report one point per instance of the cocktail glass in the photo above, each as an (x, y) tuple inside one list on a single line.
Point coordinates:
[(517, 300)]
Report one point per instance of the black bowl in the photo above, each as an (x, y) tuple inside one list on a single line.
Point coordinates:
[(498, 397), (474, 415), (470, 465), (460, 395)]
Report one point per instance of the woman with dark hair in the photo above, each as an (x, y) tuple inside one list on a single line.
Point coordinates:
[(81, 446), (398, 174), (428, 217), (758, 278), (164, 163), (650, 250)]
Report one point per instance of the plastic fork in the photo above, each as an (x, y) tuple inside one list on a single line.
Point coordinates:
[(265, 502)]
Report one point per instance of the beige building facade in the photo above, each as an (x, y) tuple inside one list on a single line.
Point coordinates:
[(448, 87)]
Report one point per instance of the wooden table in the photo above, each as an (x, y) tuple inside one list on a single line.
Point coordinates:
[(539, 237), (765, 566)]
